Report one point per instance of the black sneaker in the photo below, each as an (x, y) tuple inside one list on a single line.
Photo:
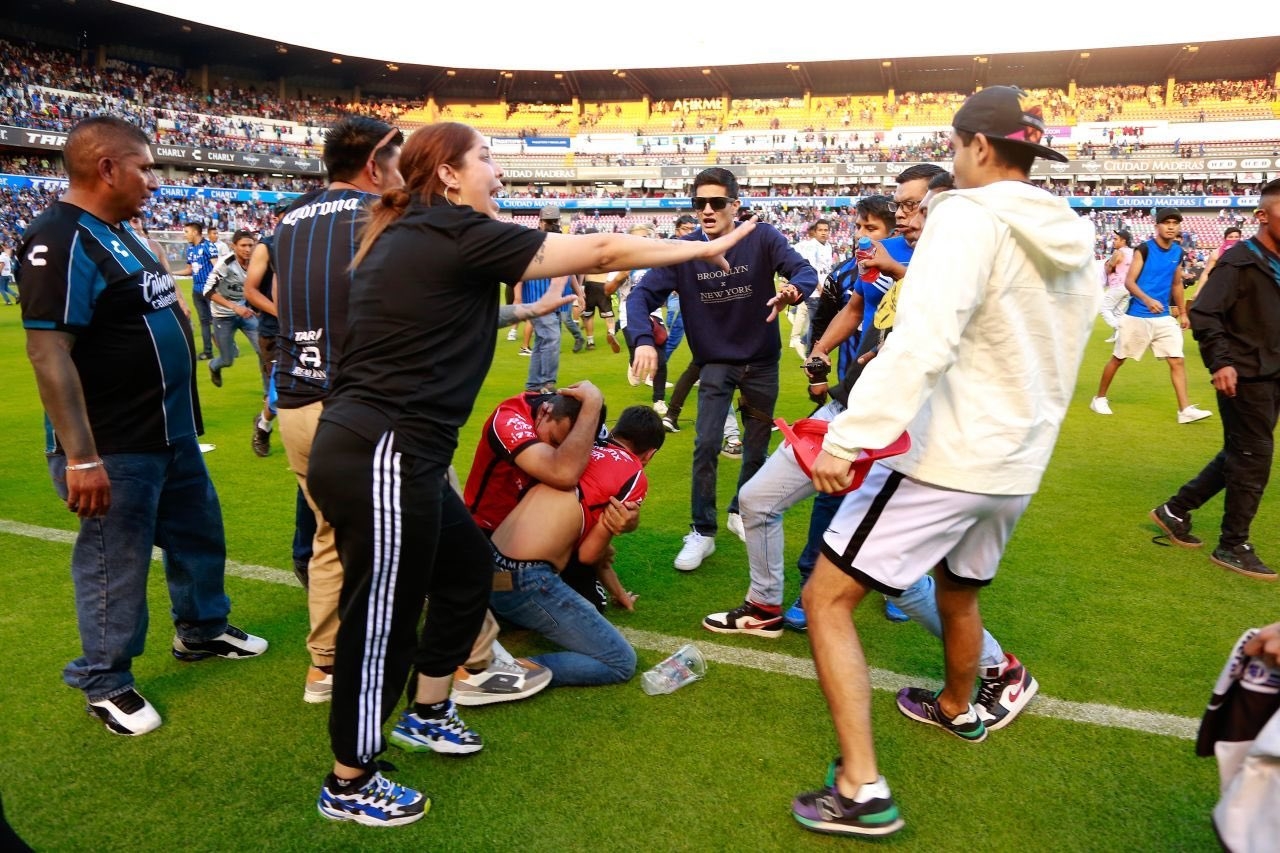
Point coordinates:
[(204, 356), (125, 714), (827, 810), (1178, 529), (231, 643), (261, 439), (671, 424), (1243, 560), (579, 344), (922, 705), (215, 373), (747, 618)]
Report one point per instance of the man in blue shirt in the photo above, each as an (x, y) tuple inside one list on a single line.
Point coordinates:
[(201, 256), (728, 317), (1155, 283)]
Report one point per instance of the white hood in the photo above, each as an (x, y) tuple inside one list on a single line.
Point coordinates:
[(998, 303)]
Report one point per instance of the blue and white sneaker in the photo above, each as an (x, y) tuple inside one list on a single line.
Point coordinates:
[(448, 735), (794, 618), (378, 802)]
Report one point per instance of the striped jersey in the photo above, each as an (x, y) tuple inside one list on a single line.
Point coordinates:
[(314, 245), (133, 348)]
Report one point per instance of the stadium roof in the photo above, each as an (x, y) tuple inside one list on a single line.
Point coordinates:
[(522, 51)]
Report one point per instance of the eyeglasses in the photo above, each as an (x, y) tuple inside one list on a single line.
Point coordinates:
[(717, 202), (904, 206)]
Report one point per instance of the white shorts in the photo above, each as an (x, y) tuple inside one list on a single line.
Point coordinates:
[(1161, 335), (890, 532)]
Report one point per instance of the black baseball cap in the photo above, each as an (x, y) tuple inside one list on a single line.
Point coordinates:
[(1003, 112), (1124, 232), (1163, 213)]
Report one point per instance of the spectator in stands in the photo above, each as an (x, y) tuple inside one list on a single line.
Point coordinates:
[(1236, 320), (729, 321), (1155, 284)]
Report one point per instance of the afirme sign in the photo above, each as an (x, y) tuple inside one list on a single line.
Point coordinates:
[(178, 154)]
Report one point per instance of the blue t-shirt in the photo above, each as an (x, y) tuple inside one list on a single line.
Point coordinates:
[(202, 256), (1159, 267)]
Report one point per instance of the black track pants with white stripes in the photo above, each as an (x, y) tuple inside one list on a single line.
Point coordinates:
[(403, 534)]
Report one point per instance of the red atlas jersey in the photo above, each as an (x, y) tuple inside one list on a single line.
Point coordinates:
[(496, 483), (612, 473)]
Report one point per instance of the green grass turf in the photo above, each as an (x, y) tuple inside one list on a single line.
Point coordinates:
[(1097, 611)]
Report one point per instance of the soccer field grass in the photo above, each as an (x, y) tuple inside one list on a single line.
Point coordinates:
[(1104, 619)]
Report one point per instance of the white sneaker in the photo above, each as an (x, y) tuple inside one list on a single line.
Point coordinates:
[(511, 335), (660, 406), (632, 378), (1193, 413), (1101, 406), (503, 681), (126, 714), (696, 549), (735, 526), (1112, 339)]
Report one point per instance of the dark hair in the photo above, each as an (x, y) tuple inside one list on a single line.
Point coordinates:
[(348, 143), (918, 172), (814, 226), (445, 143), (942, 181), (96, 137), (242, 234), (199, 226), (877, 207), (1010, 154), (718, 177), (1272, 187), (640, 427), (686, 219), (1232, 230)]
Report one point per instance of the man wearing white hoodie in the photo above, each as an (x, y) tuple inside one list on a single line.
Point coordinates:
[(979, 370)]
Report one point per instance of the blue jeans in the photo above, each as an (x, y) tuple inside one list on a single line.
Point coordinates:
[(5, 291), (544, 364), (757, 386), (163, 499), (675, 325), (541, 601), (200, 306), (224, 332), (566, 317)]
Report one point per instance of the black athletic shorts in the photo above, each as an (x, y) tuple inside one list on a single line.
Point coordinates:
[(596, 298)]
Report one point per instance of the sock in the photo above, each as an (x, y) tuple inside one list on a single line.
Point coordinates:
[(591, 339), (431, 710), (337, 785), (264, 424), (993, 672), (877, 790)]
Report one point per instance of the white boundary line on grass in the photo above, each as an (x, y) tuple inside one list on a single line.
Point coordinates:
[(1110, 716)]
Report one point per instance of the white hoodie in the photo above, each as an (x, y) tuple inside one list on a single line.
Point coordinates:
[(991, 326)]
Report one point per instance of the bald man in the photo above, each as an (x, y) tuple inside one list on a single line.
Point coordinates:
[(115, 364)]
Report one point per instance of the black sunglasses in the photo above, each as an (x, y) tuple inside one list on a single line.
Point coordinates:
[(717, 202)]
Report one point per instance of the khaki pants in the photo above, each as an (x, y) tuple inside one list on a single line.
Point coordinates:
[(297, 430)]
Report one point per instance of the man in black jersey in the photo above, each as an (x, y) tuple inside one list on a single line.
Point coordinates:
[(114, 361), (314, 245)]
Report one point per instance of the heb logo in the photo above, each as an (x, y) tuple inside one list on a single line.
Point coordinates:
[(1256, 163), (1212, 165)]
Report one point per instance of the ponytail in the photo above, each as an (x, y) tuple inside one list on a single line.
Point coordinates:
[(387, 209)]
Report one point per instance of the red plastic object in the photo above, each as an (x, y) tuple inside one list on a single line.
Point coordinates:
[(805, 437)]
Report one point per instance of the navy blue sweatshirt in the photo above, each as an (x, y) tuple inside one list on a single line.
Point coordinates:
[(724, 312)]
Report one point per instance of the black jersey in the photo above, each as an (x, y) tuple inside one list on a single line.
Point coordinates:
[(424, 308), (268, 325), (314, 245), (133, 347)]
